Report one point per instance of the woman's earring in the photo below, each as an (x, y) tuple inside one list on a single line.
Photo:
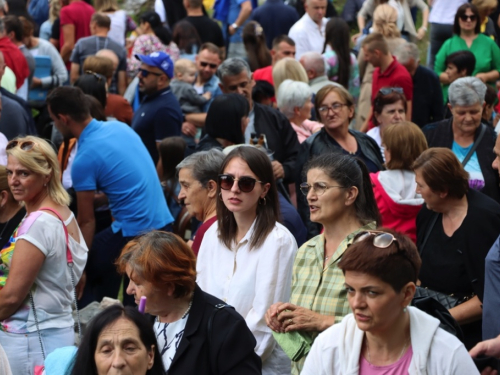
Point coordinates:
[(220, 197), (405, 309), (262, 200)]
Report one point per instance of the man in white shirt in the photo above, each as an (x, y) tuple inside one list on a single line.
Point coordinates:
[(309, 32)]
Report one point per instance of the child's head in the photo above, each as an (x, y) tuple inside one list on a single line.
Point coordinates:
[(263, 92), (460, 64), (490, 99), (185, 70)]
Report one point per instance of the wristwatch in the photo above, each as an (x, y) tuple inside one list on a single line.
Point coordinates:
[(235, 26)]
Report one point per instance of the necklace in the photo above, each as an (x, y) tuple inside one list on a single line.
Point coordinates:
[(183, 315), (400, 354)]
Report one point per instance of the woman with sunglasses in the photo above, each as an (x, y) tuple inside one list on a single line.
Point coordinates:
[(467, 36), (335, 109), (246, 257), (389, 107), (39, 278), (383, 334), (340, 198), (455, 230)]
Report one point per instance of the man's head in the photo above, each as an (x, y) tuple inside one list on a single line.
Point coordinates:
[(99, 23), (283, 46), (157, 69), (236, 78), (314, 64), (68, 107), (316, 9), (109, 54), (185, 71), (28, 30), (375, 48), (207, 61), (100, 65), (409, 56), (192, 4), (13, 28), (460, 64)]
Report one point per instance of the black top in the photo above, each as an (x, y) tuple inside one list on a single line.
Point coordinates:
[(427, 97), (56, 29), (6, 229), (208, 30)]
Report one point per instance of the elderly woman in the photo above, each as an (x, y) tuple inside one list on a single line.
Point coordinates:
[(198, 175), (162, 268), (340, 198), (389, 107), (455, 230), (394, 188), (35, 264), (335, 109), (467, 37), (463, 134), (384, 334), (294, 101), (101, 350)]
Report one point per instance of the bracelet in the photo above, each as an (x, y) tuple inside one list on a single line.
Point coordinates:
[(235, 26)]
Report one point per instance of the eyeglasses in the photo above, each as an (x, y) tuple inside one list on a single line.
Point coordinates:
[(335, 107), (318, 187), (97, 76), (465, 17), (390, 90), (245, 184), (204, 64), (25, 146), (145, 73), (382, 240)]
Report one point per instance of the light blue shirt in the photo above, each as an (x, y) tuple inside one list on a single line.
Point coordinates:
[(476, 178)]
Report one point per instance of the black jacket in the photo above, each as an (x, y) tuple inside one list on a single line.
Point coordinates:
[(440, 134), (232, 349), (320, 143), (281, 138)]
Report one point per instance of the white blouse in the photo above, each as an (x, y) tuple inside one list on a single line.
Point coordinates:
[(169, 336), (251, 280)]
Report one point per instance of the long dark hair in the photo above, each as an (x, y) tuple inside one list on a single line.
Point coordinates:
[(93, 84), (224, 118), (160, 31), (338, 38), (255, 45), (171, 151), (267, 212), (460, 12), (84, 362), (186, 37), (349, 171)]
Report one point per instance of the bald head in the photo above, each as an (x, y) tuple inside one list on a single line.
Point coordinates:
[(110, 55), (314, 64)]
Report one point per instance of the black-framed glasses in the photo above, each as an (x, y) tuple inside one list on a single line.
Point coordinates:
[(145, 73), (97, 76), (465, 17), (245, 184), (335, 107), (390, 90), (318, 187), (204, 64), (25, 145), (382, 240)]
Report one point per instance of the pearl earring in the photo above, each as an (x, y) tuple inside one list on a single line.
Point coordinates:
[(405, 309)]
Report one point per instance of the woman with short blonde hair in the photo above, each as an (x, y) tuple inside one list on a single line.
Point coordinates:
[(288, 68)]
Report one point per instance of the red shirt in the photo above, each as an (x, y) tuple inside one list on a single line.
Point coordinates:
[(77, 13), (264, 74), (395, 75), (200, 233), (15, 60)]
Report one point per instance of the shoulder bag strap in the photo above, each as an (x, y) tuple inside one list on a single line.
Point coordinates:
[(32, 303), (474, 146), (428, 233), (69, 258)]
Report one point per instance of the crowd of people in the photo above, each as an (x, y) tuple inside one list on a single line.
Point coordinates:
[(277, 192)]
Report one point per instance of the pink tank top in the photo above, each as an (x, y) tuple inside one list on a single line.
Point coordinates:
[(398, 368)]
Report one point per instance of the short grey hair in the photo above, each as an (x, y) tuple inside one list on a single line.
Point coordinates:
[(466, 91), (313, 61), (292, 94), (407, 51), (204, 165), (233, 67)]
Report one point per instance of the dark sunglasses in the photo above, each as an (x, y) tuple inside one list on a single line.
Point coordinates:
[(390, 90), (205, 64), (25, 146), (245, 184), (465, 17), (145, 73), (382, 240)]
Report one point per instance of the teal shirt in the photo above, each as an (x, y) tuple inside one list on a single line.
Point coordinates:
[(484, 49)]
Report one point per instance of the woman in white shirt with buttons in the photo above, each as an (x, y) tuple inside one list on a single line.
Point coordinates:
[(246, 257)]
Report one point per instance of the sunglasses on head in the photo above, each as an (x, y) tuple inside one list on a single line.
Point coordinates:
[(465, 17), (205, 64), (382, 240), (145, 73), (25, 145), (245, 184), (97, 76), (390, 90)]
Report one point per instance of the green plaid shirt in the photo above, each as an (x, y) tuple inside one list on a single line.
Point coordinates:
[(321, 290)]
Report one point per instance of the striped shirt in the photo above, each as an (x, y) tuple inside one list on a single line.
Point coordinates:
[(321, 289)]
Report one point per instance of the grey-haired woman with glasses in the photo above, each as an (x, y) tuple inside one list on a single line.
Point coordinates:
[(335, 109), (340, 198)]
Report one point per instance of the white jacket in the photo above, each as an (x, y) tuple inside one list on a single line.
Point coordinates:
[(336, 351)]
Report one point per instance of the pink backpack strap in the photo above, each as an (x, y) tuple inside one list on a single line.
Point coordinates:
[(69, 257)]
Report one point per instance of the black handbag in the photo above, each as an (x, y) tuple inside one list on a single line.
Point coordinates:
[(448, 301)]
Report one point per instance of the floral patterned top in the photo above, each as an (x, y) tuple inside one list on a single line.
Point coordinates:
[(332, 71), (146, 44)]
